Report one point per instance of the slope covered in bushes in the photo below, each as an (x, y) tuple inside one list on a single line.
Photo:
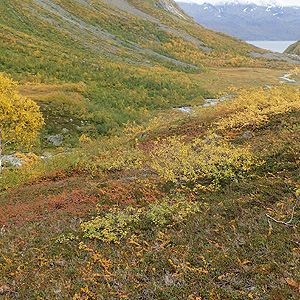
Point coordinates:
[(142, 201), (129, 218), (117, 61)]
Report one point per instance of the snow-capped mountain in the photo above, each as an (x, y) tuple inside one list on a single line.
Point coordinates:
[(248, 19), (256, 2)]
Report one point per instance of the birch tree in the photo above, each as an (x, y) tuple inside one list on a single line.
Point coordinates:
[(20, 118)]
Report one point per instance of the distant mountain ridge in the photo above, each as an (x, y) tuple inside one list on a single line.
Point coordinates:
[(257, 2), (248, 20)]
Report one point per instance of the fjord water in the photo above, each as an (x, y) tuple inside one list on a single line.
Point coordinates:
[(275, 46)]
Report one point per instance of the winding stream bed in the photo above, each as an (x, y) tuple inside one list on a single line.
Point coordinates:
[(209, 102)]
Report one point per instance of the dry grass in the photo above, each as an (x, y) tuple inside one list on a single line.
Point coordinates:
[(221, 79)]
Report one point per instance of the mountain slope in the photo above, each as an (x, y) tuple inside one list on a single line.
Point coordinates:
[(248, 20), (127, 58), (108, 26), (293, 49), (101, 64)]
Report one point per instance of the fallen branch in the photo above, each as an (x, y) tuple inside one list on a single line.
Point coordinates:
[(289, 223)]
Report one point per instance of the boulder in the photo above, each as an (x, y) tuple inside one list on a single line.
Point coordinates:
[(55, 140), (13, 159)]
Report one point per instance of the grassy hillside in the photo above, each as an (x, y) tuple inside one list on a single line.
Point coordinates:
[(137, 217), (115, 60), (293, 49)]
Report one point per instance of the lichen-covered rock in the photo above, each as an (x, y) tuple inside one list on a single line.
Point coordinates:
[(13, 160), (55, 140)]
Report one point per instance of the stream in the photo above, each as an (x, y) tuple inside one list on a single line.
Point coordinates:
[(209, 102), (286, 78)]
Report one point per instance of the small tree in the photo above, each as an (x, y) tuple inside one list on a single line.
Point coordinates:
[(20, 118)]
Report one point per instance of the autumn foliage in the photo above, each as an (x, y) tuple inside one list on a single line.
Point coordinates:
[(203, 163), (20, 118), (255, 107)]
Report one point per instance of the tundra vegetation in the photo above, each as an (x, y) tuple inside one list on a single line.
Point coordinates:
[(142, 201), (183, 207)]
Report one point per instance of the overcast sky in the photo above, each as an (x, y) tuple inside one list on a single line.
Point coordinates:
[(258, 2)]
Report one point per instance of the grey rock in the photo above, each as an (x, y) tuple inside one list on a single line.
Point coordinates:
[(65, 130), (13, 159), (55, 140), (276, 56), (147, 292), (171, 7)]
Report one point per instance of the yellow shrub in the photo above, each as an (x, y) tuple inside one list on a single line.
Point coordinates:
[(83, 139), (204, 163), (28, 164), (120, 224), (255, 107)]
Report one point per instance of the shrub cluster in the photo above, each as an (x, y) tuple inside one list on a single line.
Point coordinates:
[(202, 163), (119, 224)]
